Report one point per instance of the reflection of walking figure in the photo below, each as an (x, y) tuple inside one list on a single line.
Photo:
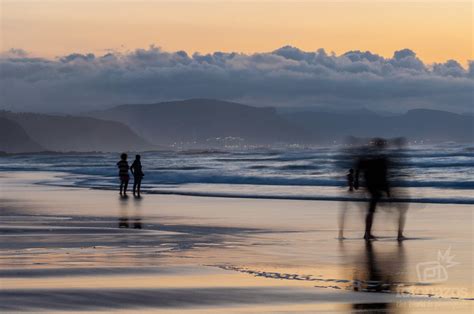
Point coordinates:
[(375, 170), (379, 273), (137, 172), (123, 174)]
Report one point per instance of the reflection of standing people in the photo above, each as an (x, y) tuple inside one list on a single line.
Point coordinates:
[(123, 174), (137, 172), (374, 167), (130, 214)]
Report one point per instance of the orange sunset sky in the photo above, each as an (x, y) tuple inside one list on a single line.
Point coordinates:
[(435, 30)]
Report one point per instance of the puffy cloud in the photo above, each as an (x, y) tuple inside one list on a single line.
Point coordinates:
[(285, 77), (77, 56), (403, 54), (14, 52), (449, 68)]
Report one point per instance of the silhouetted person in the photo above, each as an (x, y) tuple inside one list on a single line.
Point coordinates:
[(137, 172), (123, 174), (374, 167)]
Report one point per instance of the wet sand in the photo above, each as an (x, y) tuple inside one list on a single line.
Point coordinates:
[(71, 249)]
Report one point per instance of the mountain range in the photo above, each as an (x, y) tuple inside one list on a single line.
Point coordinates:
[(210, 123), (201, 121)]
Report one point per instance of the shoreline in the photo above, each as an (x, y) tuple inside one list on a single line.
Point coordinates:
[(302, 198), (361, 199)]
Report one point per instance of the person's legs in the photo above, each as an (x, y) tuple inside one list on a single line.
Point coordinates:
[(139, 186), (401, 222), (125, 186), (342, 218), (134, 186), (368, 223), (121, 186), (374, 197), (137, 182)]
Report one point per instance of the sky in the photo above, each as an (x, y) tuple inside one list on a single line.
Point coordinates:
[(38, 39)]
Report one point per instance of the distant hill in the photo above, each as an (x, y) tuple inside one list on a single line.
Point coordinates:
[(418, 124), (14, 139), (205, 121), (79, 134)]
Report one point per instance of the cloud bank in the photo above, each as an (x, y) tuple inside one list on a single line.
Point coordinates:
[(285, 77)]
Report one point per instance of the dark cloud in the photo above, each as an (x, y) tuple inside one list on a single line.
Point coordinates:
[(285, 77)]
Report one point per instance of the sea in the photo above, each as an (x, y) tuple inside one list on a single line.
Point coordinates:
[(441, 173)]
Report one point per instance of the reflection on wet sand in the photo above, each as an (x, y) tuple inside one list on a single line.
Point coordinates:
[(59, 250), (130, 217), (380, 273)]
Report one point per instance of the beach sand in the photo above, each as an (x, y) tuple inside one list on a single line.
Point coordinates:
[(73, 249)]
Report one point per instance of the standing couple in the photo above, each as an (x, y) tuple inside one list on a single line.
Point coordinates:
[(135, 169)]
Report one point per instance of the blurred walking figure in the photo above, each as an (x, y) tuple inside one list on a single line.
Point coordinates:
[(123, 174), (342, 215), (137, 172), (398, 174), (374, 167)]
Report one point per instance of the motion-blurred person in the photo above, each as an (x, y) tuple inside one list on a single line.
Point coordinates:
[(342, 215), (374, 166), (397, 174)]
